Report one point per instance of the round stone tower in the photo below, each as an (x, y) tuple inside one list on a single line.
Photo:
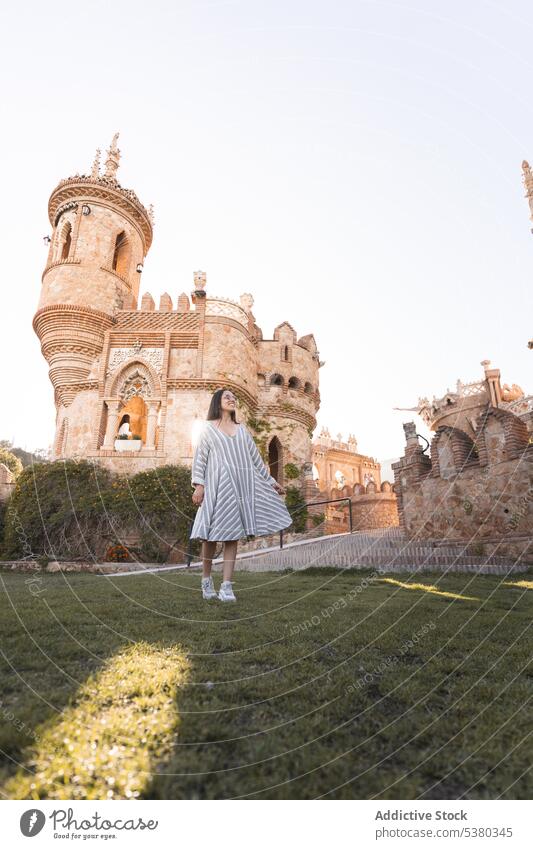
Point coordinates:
[(101, 234)]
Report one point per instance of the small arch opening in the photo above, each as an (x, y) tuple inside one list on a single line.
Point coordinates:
[(274, 458), (121, 255), (67, 241)]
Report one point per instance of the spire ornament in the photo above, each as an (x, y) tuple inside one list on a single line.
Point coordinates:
[(113, 157), (95, 171), (527, 177)]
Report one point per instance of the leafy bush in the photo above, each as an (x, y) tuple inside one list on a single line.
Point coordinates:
[(297, 508), (74, 509), (318, 519), (291, 471), (3, 508), (10, 460), (158, 502), (56, 509)]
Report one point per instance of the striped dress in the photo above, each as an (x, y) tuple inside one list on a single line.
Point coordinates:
[(239, 498)]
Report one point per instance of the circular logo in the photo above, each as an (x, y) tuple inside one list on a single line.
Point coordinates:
[(32, 822)]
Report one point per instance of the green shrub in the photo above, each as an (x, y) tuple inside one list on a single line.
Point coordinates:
[(74, 509), (297, 508), (55, 510), (318, 519), (3, 508), (159, 503), (291, 471), (11, 461)]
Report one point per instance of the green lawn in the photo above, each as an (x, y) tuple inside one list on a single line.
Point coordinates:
[(307, 687)]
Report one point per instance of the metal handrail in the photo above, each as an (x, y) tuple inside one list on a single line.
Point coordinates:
[(305, 505)]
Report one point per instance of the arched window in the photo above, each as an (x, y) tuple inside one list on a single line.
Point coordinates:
[(294, 383), (276, 380), (285, 353), (121, 255), (308, 388), (66, 241), (274, 458)]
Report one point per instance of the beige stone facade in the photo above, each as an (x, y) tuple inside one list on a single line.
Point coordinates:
[(340, 473), (338, 464), (110, 356)]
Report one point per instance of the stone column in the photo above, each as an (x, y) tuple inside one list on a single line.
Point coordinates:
[(153, 407), (111, 428)]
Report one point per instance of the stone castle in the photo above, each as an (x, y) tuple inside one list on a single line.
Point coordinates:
[(476, 482), (115, 362)]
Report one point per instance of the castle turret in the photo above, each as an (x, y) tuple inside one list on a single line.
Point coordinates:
[(101, 234)]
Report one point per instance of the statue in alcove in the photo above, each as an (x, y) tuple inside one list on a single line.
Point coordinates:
[(136, 413)]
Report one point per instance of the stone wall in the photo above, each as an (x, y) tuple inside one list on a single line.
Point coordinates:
[(371, 509), (469, 489), (7, 482)]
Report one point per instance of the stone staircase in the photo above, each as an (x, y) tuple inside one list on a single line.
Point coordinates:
[(384, 551)]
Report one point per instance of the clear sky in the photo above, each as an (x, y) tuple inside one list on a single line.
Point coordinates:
[(354, 165)]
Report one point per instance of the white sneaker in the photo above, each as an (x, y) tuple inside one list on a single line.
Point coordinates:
[(208, 588), (226, 592)]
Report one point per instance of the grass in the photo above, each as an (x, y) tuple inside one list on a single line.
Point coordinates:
[(317, 683)]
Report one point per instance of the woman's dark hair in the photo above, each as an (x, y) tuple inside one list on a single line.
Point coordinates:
[(125, 418), (215, 407)]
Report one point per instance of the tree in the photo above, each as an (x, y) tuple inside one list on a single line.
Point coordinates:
[(10, 460)]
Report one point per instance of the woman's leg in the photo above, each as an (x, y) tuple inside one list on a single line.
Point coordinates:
[(230, 553), (208, 552)]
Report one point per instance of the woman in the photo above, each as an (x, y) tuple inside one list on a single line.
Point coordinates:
[(124, 425), (238, 497)]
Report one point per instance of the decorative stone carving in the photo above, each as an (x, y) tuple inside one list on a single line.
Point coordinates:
[(246, 301), (512, 393), (226, 308), (200, 280), (153, 356), (135, 384)]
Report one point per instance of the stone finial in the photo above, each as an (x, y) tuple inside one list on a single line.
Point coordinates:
[(409, 429), (527, 177), (95, 170), (113, 157), (200, 280), (246, 301), (147, 302), (183, 304), (165, 303)]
